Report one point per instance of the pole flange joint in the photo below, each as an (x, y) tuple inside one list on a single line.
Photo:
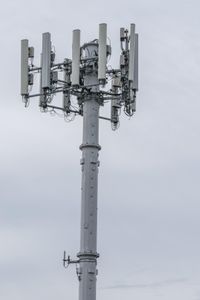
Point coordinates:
[(88, 256), (82, 146)]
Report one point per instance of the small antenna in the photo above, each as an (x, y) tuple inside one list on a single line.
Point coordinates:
[(42, 99), (115, 103), (135, 81), (122, 34), (67, 83), (131, 53)]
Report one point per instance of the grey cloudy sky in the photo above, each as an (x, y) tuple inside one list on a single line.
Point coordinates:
[(149, 225)]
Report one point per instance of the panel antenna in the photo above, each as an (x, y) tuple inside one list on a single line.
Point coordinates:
[(102, 53), (131, 53), (46, 60), (76, 58)]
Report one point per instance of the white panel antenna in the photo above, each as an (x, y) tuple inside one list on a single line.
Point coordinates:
[(46, 60), (24, 67), (102, 53), (131, 53), (76, 58), (135, 81)]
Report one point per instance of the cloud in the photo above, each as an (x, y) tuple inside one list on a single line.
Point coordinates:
[(156, 284), (149, 171)]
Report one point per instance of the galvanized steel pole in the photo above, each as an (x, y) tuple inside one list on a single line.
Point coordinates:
[(90, 147)]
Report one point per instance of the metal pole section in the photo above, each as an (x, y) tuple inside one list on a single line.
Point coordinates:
[(89, 162)]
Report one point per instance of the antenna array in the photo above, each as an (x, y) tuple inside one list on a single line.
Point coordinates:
[(68, 77)]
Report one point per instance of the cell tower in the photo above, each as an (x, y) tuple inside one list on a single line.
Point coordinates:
[(85, 88)]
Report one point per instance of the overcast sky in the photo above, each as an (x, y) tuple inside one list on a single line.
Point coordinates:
[(149, 198)]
